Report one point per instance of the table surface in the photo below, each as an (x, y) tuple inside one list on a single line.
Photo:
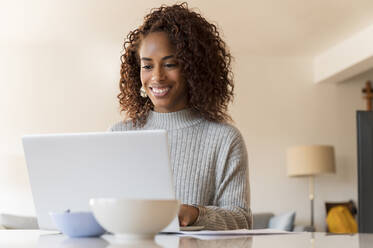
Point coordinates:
[(40, 239)]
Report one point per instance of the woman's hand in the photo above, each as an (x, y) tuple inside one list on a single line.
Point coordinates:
[(187, 215)]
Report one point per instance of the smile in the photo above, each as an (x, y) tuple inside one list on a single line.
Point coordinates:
[(160, 91)]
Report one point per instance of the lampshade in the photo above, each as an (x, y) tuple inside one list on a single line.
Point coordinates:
[(310, 160)]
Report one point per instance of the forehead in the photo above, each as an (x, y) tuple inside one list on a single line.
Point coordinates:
[(155, 44)]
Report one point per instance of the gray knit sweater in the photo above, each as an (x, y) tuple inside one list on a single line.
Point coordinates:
[(209, 164)]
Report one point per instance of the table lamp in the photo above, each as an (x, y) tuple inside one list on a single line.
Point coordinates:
[(310, 161)]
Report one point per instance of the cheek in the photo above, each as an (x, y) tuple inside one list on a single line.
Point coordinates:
[(144, 76), (176, 76)]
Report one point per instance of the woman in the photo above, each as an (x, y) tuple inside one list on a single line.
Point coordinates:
[(176, 75)]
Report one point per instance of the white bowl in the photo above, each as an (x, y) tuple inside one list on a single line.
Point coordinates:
[(132, 219)]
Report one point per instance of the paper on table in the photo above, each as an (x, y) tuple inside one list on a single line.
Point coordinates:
[(216, 237), (235, 232)]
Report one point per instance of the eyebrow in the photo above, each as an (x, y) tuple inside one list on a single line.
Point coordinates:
[(164, 58)]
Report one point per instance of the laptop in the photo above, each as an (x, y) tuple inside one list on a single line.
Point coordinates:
[(66, 170)]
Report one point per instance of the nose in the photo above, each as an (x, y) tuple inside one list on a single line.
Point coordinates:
[(158, 74)]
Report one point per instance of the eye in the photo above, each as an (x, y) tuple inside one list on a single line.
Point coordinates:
[(147, 67), (170, 65)]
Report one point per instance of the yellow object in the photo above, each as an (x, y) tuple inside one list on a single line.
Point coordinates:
[(340, 220)]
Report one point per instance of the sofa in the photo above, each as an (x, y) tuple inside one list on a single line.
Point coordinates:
[(11, 221), (260, 221), (283, 221)]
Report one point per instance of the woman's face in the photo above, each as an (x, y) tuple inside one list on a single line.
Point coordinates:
[(161, 75)]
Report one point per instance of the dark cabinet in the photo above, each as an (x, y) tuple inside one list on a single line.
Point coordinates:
[(365, 170)]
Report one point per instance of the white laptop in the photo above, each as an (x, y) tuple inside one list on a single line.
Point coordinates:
[(66, 170)]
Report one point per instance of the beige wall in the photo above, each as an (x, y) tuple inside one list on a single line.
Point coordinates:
[(278, 106), (59, 68)]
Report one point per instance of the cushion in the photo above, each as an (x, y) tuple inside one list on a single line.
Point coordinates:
[(283, 221), (340, 220), (10, 221), (260, 220)]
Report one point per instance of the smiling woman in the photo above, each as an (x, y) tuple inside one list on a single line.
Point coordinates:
[(200, 54), (176, 75)]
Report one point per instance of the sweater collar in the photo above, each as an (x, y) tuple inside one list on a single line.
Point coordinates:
[(174, 120)]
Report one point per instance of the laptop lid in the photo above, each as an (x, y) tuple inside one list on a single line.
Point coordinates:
[(66, 170)]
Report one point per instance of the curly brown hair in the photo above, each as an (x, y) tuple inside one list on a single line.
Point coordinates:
[(203, 56)]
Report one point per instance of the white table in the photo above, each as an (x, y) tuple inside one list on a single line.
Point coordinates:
[(40, 239)]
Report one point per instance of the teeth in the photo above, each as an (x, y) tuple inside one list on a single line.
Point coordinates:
[(160, 90)]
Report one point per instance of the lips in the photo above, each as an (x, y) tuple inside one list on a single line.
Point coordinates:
[(160, 91)]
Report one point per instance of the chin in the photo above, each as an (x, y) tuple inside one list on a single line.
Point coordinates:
[(162, 107), (166, 105)]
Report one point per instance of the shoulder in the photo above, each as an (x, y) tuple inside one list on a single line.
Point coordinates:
[(225, 130), (122, 126), (231, 148), (225, 136), (230, 138)]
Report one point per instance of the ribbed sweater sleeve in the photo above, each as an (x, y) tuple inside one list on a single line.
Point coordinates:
[(230, 209)]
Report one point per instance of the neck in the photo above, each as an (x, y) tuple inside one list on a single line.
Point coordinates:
[(172, 120)]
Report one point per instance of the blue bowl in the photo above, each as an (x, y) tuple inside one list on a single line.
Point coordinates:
[(77, 224)]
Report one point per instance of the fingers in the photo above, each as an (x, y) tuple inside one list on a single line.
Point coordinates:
[(187, 215), (184, 223), (183, 215)]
